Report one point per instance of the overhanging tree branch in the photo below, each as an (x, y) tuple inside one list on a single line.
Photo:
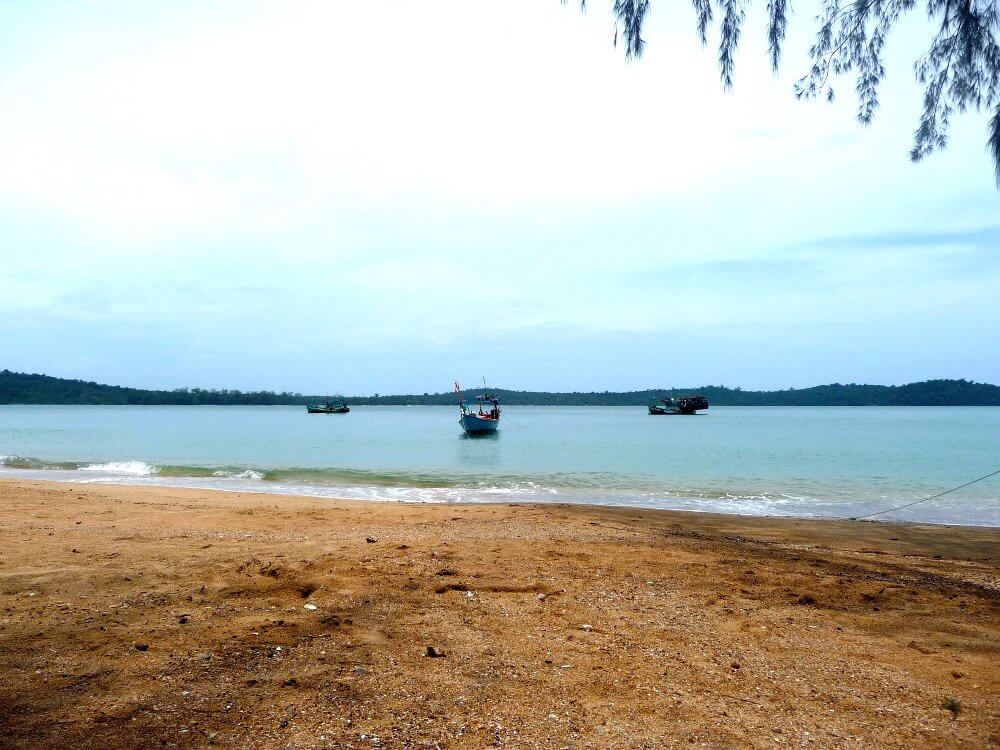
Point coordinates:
[(960, 70)]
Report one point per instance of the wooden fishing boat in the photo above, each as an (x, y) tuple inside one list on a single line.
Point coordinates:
[(679, 405), (328, 407), (479, 422)]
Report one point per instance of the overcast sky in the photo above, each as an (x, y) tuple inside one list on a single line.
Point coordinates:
[(386, 197)]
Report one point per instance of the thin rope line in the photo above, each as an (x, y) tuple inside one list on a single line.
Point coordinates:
[(924, 500)]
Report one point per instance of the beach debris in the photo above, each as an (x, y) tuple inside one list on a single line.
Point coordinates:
[(183, 619), (873, 597), (205, 656), (283, 723), (142, 647), (451, 587), (954, 705), (586, 627), (310, 606), (446, 572), (433, 653), (370, 540), (541, 597), (469, 594), (553, 717), (806, 600)]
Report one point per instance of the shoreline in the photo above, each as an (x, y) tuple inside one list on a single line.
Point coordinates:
[(284, 488), (561, 625), (809, 527)]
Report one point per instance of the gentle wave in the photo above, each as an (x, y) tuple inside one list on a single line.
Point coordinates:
[(128, 468), (22, 462), (497, 484), (246, 474), (423, 487)]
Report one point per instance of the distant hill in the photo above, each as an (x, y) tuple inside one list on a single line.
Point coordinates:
[(22, 388), (926, 393)]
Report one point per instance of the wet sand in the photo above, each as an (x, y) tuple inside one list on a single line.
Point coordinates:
[(158, 617)]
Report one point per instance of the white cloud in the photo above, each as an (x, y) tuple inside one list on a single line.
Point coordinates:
[(354, 165)]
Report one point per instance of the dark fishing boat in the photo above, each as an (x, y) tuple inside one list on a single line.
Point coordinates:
[(679, 405), (479, 422), (328, 407)]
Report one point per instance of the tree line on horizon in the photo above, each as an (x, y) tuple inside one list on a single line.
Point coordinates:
[(25, 388)]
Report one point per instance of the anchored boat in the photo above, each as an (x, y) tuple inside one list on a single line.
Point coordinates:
[(679, 405), (328, 407), (482, 421)]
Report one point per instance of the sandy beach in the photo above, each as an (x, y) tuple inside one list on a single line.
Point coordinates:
[(159, 617)]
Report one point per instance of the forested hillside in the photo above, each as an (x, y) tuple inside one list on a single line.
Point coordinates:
[(23, 388)]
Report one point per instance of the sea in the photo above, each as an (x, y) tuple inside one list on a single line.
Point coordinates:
[(809, 462)]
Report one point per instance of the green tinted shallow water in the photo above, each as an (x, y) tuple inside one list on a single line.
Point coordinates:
[(824, 461)]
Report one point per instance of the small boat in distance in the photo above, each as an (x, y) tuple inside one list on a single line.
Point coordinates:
[(328, 407), (481, 422), (679, 405)]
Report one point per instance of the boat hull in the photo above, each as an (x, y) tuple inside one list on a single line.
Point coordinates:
[(659, 410), (476, 425), (682, 405), (325, 410)]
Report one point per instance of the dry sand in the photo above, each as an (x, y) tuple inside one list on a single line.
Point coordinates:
[(157, 617)]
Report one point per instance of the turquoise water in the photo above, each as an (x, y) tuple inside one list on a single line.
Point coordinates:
[(800, 461)]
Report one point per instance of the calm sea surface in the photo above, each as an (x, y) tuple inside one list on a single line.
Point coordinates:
[(825, 461)]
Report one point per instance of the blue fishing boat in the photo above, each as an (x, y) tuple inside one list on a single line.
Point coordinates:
[(481, 421)]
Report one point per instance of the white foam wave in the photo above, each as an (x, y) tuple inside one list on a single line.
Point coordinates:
[(248, 474), (128, 468), (982, 513)]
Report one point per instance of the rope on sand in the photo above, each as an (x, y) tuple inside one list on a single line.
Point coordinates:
[(925, 499)]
